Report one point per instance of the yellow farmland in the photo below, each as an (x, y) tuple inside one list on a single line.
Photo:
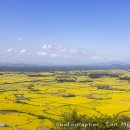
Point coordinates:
[(32, 101)]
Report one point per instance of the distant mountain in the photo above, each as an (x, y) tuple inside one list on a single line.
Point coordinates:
[(12, 64), (37, 68)]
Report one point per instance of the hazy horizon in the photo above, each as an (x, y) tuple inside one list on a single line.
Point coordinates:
[(65, 32)]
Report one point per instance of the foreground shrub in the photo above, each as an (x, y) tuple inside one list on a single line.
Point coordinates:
[(73, 121)]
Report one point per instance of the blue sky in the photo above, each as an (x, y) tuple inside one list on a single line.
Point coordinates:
[(64, 31)]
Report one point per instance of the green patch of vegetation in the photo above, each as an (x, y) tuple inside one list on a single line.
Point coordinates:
[(73, 121), (69, 95), (100, 75), (124, 78), (106, 87)]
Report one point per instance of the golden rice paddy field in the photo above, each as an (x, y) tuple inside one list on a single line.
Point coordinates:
[(32, 101)]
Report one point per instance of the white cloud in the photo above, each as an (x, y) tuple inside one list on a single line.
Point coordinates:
[(47, 46), (52, 46), (58, 53), (54, 55), (45, 54), (23, 51), (113, 58), (73, 50), (54, 50), (42, 54), (104, 58), (94, 57), (10, 50), (74, 54)]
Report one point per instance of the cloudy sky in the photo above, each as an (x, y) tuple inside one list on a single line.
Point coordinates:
[(64, 31)]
